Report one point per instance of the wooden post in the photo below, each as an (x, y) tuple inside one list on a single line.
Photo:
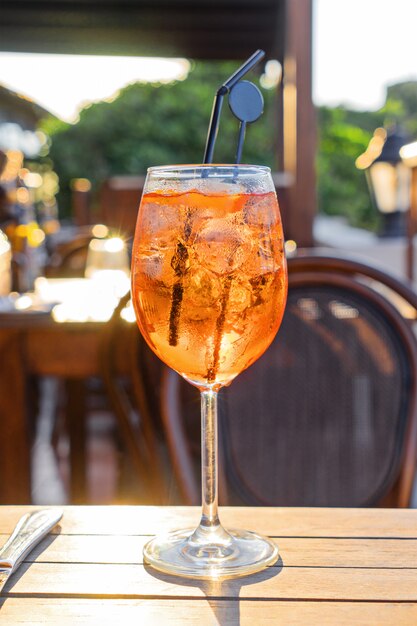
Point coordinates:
[(299, 121), (81, 201), (412, 225)]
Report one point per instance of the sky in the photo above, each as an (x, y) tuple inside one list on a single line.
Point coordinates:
[(359, 47), (63, 83)]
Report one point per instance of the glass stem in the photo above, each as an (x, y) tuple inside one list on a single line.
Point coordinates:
[(209, 517)]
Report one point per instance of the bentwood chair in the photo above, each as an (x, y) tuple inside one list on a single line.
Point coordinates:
[(328, 415), (129, 377)]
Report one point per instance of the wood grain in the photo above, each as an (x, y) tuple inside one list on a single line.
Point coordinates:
[(67, 612), (286, 583), (127, 549), (275, 522)]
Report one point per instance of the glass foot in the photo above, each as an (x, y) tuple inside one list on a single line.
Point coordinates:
[(210, 553)]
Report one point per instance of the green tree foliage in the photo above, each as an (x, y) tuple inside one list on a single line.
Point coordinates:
[(150, 124), (342, 189), (154, 125)]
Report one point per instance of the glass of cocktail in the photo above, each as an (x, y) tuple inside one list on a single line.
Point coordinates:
[(209, 286)]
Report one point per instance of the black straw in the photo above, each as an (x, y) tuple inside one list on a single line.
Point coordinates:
[(244, 69), (218, 101), (240, 140)]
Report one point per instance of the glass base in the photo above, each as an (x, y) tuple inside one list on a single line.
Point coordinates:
[(210, 553)]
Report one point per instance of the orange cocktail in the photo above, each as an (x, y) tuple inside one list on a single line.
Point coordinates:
[(209, 280)]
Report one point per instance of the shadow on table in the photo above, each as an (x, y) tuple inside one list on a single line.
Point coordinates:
[(31, 558), (217, 591)]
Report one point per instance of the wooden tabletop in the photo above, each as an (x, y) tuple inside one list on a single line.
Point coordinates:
[(336, 566)]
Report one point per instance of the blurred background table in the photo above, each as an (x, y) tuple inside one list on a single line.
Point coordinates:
[(55, 331), (36, 345), (336, 566)]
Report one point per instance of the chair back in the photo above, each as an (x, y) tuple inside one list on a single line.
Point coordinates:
[(68, 257), (129, 383), (119, 199), (327, 416)]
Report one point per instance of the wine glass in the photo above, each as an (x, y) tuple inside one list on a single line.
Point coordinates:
[(209, 286)]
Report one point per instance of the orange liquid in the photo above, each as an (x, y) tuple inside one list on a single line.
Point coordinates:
[(209, 281)]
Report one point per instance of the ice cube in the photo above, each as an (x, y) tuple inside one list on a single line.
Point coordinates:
[(150, 264), (267, 253), (240, 296), (160, 224), (222, 245), (202, 293), (261, 210)]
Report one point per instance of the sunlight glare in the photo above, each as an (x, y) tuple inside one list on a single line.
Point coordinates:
[(408, 153), (64, 83), (100, 231)]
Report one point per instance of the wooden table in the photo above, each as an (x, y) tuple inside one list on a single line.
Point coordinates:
[(33, 345), (336, 566)]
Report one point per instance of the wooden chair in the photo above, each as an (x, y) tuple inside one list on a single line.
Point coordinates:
[(328, 415), (68, 258), (119, 198), (128, 384)]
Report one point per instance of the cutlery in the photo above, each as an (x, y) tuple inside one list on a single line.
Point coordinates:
[(29, 531)]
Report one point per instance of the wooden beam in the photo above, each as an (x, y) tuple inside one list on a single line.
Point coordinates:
[(220, 29)]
